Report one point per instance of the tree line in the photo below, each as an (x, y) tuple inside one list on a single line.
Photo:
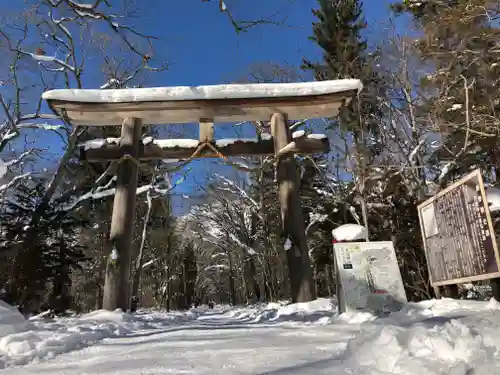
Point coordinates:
[(427, 116)]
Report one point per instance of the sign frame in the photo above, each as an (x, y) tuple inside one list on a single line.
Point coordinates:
[(343, 304), (475, 174)]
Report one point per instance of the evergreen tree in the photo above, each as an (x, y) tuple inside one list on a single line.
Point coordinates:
[(337, 32), (44, 254)]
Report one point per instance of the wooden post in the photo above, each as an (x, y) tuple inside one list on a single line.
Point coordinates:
[(206, 131), (451, 291), (117, 282), (437, 292), (301, 280), (495, 288)]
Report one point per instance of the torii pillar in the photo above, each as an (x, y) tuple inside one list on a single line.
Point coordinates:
[(299, 264)]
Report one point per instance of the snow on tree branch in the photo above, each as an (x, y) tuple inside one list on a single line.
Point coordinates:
[(234, 188), (4, 167), (237, 241), (98, 193), (11, 183), (315, 218)]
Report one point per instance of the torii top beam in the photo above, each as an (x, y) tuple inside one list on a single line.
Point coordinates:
[(218, 103)]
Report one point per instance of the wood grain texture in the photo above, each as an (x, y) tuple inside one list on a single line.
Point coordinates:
[(218, 110)]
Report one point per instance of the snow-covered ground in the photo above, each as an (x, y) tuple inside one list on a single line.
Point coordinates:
[(432, 337)]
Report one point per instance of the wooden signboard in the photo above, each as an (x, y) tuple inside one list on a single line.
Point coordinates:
[(458, 234)]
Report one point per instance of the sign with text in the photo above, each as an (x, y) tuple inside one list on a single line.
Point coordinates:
[(368, 277), (458, 234)]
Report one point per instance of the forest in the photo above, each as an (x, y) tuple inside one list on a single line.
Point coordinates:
[(427, 116)]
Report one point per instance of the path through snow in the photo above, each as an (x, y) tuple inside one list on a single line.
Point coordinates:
[(432, 337)]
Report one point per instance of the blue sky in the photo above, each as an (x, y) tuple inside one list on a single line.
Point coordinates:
[(208, 51), (202, 47)]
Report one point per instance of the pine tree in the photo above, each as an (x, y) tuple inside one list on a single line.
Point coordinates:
[(346, 54), (44, 254), (337, 32)]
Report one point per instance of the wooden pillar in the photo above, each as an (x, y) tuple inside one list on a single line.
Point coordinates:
[(451, 291), (437, 292), (495, 288), (299, 265), (117, 282), (206, 131)]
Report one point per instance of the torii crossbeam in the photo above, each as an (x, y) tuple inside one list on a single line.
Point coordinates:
[(205, 105)]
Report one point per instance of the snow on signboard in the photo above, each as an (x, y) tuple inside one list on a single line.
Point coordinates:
[(349, 232), (368, 277)]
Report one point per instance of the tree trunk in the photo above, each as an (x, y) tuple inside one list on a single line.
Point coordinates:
[(299, 265), (140, 258), (232, 289), (117, 283), (268, 284), (329, 279), (252, 289)]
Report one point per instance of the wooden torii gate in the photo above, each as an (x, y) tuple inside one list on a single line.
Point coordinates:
[(205, 105)]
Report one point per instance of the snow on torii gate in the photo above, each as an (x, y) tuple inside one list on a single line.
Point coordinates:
[(203, 104)]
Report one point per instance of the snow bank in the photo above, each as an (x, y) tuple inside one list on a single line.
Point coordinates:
[(11, 320), (22, 342), (46, 339), (320, 311), (432, 337), (435, 337), (233, 91)]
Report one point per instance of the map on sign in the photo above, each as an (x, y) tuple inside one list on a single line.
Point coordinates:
[(458, 235), (368, 277)]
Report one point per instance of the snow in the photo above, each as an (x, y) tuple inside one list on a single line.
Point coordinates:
[(98, 143), (147, 140), (493, 198), (454, 107), (302, 133), (83, 5), (317, 136), (288, 244), (434, 337), (3, 168), (314, 218), (231, 141), (232, 91), (185, 143), (149, 263), (247, 248), (298, 134), (111, 82), (349, 232), (11, 321), (170, 161), (173, 143), (415, 151), (163, 143)]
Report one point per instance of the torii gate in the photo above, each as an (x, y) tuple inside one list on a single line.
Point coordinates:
[(205, 105)]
